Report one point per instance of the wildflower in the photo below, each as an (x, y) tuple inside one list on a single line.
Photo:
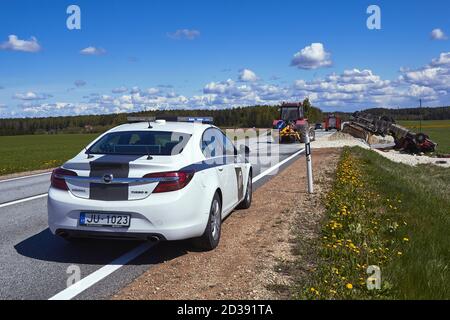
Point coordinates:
[(349, 286), (313, 290), (399, 253), (405, 239)]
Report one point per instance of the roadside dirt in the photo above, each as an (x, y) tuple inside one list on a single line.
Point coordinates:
[(253, 243), (24, 174)]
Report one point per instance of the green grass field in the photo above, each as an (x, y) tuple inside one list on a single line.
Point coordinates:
[(385, 214), (33, 152), (438, 130)]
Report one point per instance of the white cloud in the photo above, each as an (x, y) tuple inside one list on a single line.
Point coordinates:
[(135, 90), (153, 91), (15, 44), (443, 60), (312, 57), (93, 51), (358, 89), (421, 91), (188, 34), (79, 83), (121, 89), (438, 34), (352, 89), (435, 75), (30, 95), (247, 75)]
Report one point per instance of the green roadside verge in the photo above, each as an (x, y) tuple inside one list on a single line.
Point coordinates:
[(34, 152), (390, 216)]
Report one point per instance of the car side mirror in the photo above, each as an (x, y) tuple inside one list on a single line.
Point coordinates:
[(244, 150)]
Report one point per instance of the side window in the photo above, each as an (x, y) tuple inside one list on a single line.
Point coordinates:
[(230, 149), (212, 143)]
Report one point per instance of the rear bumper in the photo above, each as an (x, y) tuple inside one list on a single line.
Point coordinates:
[(177, 215), (68, 233)]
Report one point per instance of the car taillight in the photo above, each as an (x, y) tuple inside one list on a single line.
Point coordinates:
[(58, 180), (171, 181)]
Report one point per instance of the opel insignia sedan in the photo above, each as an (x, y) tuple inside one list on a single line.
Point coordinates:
[(166, 180)]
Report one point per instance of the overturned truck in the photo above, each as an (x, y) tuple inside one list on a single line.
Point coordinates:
[(363, 125)]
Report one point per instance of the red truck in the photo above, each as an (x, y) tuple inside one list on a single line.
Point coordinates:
[(332, 122)]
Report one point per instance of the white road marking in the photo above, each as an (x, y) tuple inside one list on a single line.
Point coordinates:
[(102, 273), (24, 177), (115, 265), (7, 204), (279, 164)]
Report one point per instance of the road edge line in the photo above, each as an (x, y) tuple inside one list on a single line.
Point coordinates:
[(11, 203), (279, 164), (102, 273), (25, 177)]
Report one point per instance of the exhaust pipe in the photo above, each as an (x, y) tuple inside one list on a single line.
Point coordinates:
[(62, 234), (154, 239)]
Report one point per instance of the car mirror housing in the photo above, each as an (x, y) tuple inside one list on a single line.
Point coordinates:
[(244, 150)]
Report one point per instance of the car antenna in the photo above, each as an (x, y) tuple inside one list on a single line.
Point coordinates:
[(89, 156), (149, 157)]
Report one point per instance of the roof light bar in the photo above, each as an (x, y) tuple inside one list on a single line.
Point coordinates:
[(208, 120), (205, 120), (140, 119)]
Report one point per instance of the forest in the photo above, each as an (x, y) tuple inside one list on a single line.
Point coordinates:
[(242, 117)]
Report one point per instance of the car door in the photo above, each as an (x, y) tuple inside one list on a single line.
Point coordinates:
[(214, 151), (234, 171)]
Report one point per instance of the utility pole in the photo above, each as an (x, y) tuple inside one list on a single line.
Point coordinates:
[(420, 118), (309, 173)]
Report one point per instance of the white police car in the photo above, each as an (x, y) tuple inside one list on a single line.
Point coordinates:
[(169, 180)]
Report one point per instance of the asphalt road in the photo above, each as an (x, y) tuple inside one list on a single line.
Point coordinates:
[(20, 188), (34, 263)]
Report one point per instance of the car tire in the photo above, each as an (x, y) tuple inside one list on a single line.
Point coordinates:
[(247, 202), (211, 237)]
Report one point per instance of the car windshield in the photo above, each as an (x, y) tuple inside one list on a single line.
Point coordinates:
[(155, 143), (290, 114)]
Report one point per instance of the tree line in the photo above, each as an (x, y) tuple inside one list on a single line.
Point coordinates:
[(425, 113), (242, 117)]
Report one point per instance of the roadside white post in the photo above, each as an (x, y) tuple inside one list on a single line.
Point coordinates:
[(309, 173)]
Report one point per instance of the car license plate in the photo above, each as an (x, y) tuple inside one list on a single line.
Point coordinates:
[(104, 219)]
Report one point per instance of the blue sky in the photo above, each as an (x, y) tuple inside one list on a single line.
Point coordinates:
[(141, 55)]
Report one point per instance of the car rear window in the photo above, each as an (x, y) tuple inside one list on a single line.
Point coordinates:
[(155, 143)]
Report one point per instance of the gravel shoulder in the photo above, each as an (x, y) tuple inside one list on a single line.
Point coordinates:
[(253, 243)]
